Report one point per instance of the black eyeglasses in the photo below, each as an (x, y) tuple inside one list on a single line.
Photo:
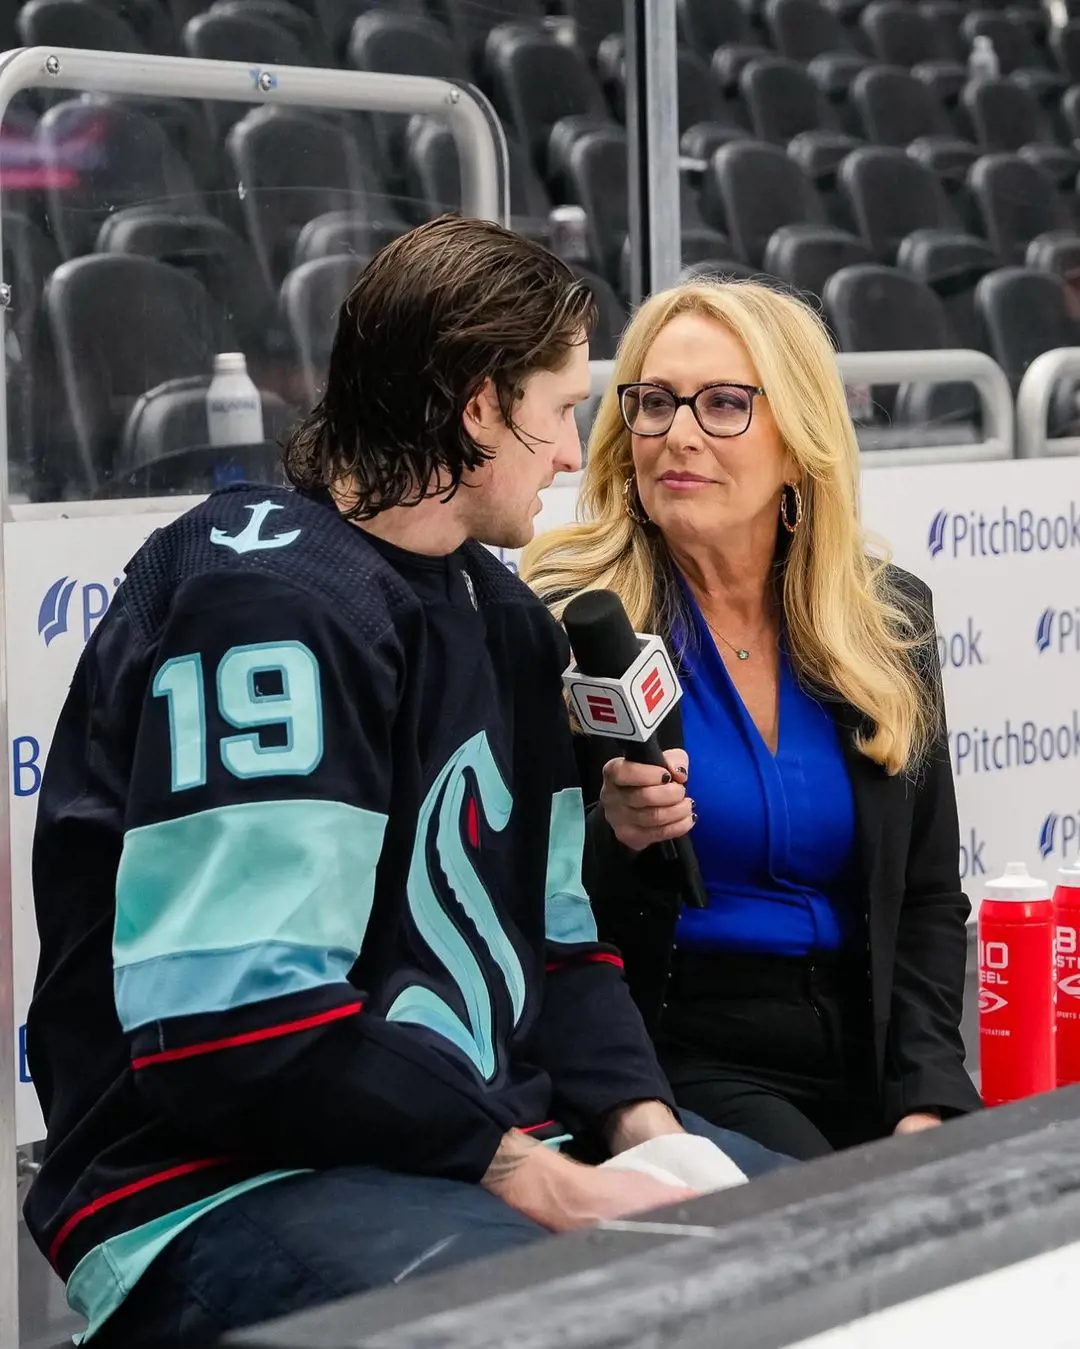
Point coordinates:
[(719, 409)]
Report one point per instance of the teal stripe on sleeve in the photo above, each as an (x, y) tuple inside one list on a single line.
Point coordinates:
[(568, 915), (242, 892), (104, 1277)]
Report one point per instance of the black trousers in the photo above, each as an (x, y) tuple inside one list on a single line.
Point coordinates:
[(778, 1048)]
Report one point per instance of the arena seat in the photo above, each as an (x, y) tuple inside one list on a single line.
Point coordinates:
[(896, 108), (296, 167), (401, 44), (211, 252), (121, 325), (705, 25), (1007, 117), (433, 177), (310, 297), (875, 308), (536, 82), (75, 23), (134, 167), (900, 35), (1017, 202), (755, 189)]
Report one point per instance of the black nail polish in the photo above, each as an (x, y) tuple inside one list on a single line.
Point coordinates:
[(666, 779), (683, 772), (693, 817)]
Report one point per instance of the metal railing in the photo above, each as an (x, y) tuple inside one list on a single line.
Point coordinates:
[(1034, 400)]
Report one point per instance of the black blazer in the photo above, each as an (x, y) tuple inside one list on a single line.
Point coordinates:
[(908, 843)]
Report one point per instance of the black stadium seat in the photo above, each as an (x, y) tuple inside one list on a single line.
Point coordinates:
[(401, 44), (121, 325), (755, 189), (705, 25), (899, 35), (136, 169), (236, 35), (239, 37), (1005, 116), (216, 256), (537, 82), (874, 308), (788, 108), (594, 20), (336, 18), (470, 21), (164, 445), (1017, 203), (891, 196), (805, 31), (1015, 50), (75, 23), (311, 296), (295, 167), (299, 23), (807, 258), (1024, 313), (433, 177), (896, 108), (597, 176)]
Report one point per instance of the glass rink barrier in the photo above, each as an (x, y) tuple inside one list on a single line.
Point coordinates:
[(160, 214)]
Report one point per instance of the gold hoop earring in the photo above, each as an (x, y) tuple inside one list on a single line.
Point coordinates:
[(632, 503), (790, 525)]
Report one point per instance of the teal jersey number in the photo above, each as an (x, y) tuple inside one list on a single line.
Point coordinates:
[(297, 707)]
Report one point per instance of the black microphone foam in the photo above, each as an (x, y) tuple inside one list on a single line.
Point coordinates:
[(605, 646), (600, 634)]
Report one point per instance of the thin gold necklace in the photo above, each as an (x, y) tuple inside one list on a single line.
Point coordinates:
[(742, 652)]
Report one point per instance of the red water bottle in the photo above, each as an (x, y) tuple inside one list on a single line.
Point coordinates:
[(1016, 987), (1067, 961)]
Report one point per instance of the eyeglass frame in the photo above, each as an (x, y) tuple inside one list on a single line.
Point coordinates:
[(690, 401)]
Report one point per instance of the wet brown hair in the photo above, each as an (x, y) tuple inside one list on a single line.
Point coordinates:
[(429, 319)]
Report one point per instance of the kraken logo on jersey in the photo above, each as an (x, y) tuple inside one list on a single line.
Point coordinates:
[(249, 540), (444, 810)]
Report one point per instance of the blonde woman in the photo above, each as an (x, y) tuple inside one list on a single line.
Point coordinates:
[(815, 1003)]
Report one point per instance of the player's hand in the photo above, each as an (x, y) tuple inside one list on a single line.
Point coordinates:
[(917, 1122), (562, 1195), (645, 804)]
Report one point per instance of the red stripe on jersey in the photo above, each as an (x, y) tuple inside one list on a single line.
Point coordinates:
[(124, 1192), (248, 1038), (592, 958)]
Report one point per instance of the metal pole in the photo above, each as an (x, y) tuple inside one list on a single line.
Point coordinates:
[(652, 123)]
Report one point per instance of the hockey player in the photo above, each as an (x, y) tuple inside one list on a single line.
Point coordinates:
[(320, 995)]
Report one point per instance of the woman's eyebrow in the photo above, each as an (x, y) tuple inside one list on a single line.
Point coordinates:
[(663, 383)]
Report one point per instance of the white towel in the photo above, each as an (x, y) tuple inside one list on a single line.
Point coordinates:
[(685, 1160)]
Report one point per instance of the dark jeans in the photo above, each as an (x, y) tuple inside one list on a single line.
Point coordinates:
[(296, 1243), (779, 1049)]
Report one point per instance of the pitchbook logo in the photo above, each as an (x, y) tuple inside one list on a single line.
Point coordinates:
[(88, 601), (1058, 631), (976, 534), (1059, 836)]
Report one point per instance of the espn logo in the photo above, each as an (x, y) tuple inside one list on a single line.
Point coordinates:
[(652, 689), (602, 709), (632, 705)]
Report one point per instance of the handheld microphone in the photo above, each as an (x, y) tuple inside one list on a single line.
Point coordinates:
[(623, 684)]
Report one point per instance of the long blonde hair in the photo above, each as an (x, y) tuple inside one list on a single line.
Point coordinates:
[(847, 631)]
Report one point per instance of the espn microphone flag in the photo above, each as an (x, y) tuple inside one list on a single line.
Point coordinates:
[(623, 684), (631, 705)]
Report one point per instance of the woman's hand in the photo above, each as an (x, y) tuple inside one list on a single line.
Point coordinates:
[(644, 804)]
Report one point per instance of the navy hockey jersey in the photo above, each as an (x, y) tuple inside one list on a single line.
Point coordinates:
[(308, 883)]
